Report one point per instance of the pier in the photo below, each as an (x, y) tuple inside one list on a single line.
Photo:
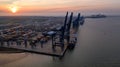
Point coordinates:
[(54, 42)]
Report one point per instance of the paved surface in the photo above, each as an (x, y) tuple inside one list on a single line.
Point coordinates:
[(46, 49)]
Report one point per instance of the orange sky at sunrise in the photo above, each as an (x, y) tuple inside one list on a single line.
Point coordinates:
[(58, 7)]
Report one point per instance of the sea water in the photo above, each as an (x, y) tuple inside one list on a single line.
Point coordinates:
[(98, 46)]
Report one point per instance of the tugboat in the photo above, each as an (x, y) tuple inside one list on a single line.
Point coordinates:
[(82, 20), (72, 44)]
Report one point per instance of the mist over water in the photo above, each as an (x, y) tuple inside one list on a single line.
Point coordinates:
[(98, 46)]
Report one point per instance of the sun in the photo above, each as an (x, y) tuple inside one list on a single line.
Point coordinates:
[(14, 9)]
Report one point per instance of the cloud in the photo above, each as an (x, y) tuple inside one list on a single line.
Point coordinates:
[(1, 11), (37, 6), (4, 0), (44, 2)]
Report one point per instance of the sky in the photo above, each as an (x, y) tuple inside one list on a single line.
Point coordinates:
[(58, 7)]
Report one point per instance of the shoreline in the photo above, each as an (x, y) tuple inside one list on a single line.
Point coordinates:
[(5, 59), (8, 50), (16, 55)]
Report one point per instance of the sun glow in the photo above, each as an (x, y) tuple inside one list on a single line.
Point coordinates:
[(14, 9)]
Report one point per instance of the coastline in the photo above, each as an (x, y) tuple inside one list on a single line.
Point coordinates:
[(14, 55), (6, 58), (8, 50)]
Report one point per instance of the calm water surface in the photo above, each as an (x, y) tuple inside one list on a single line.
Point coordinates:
[(98, 46)]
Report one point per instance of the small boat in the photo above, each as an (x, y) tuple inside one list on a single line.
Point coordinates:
[(72, 44), (97, 16)]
